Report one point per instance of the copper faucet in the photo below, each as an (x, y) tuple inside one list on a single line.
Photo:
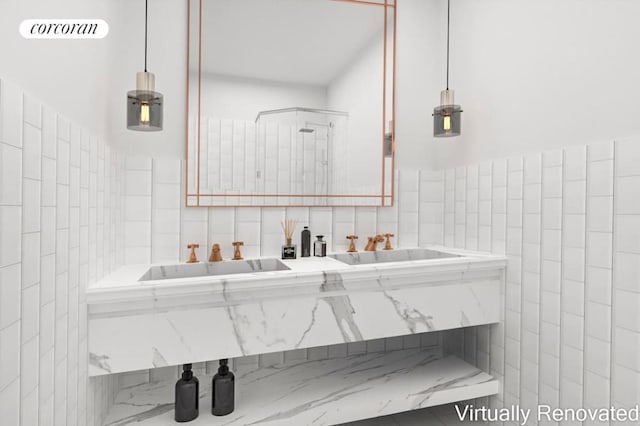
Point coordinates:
[(236, 250), (215, 254), (373, 243), (387, 244), (192, 256), (352, 244)]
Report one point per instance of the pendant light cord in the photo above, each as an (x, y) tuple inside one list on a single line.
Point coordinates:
[(146, 6), (448, 23)]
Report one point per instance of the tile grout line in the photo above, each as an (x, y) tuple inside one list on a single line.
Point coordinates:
[(587, 238), (490, 328), (151, 198), (540, 268), (562, 250), (614, 223), (522, 292)]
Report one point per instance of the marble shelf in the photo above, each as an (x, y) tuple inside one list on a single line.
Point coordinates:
[(325, 392)]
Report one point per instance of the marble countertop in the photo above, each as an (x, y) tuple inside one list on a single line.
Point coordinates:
[(326, 392), (125, 284), (136, 325)]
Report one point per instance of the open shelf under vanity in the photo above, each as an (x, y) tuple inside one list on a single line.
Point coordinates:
[(325, 392)]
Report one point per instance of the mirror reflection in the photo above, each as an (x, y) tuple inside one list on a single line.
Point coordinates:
[(290, 102)]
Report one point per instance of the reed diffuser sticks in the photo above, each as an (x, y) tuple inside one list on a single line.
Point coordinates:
[(289, 227)]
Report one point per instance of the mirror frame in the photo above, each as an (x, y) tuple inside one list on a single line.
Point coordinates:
[(378, 200)]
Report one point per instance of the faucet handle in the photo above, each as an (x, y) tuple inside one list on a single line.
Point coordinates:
[(215, 254), (352, 244), (192, 256), (236, 252), (387, 244)]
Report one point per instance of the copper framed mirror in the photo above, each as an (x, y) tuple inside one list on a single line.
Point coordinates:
[(291, 103)]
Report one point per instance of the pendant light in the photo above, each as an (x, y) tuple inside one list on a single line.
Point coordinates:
[(144, 105), (447, 117)]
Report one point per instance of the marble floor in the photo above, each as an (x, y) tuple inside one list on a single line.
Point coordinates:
[(443, 415)]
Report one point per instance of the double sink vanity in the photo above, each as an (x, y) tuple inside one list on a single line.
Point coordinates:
[(150, 316)]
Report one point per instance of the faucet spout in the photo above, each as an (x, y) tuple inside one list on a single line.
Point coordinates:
[(372, 243)]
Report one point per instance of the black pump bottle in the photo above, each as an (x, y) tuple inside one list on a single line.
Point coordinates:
[(305, 242), (223, 390), (187, 390)]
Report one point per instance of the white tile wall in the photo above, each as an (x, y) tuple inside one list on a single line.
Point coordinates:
[(49, 252), (625, 334), (567, 220), (569, 223)]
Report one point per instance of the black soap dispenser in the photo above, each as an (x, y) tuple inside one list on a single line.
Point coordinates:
[(187, 391), (305, 242), (223, 390)]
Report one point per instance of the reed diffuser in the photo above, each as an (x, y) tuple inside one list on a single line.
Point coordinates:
[(289, 249)]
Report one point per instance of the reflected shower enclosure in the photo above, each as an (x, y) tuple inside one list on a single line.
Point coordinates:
[(299, 151), (283, 151)]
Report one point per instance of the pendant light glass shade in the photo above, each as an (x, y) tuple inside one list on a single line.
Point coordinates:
[(144, 105), (447, 118)]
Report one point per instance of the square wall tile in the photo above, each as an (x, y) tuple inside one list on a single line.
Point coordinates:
[(626, 197), (11, 107), (31, 152), (598, 284), (600, 180), (167, 170), (626, 351), (627, 235), (30, 259), (30, 313), (598, 321), (601, 151), (596, 391), (166, 196), (572, 298), (10, 403), (10, 175), (49, 130), (32, 110), (48, 182), (574, 197), (29, 364), (31, 205), (138, 182), (627, 276), (627, 310), (10, 293), (63, 129), (599, 249), (574, 231), (575, 163), (552, 182), (600, 214), (9, 354), (628, 157)]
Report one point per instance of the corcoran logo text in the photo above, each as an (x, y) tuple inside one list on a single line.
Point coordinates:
[(63, 28)]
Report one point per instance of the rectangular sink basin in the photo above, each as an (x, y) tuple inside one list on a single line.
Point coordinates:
[(384, 256), (207, 269)]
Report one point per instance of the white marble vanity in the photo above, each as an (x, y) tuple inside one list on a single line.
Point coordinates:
[(148, 316)]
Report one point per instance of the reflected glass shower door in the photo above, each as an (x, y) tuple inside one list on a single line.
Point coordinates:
[(296, 151)]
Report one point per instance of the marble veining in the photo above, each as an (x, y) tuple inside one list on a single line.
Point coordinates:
[(323, 392), (249, 317)]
